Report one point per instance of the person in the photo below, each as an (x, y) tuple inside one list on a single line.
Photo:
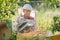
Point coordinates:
[(27, 13)]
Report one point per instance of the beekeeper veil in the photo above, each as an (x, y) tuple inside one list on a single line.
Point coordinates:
[(28, 7)]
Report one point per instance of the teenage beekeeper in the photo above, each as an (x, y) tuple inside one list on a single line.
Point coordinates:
[(26, 13)]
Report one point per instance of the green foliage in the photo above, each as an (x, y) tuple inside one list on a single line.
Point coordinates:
[(7, 8), (14, 36), (52, 3), (56, 25)]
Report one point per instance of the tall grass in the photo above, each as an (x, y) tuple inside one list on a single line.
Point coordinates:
[(45, 19)]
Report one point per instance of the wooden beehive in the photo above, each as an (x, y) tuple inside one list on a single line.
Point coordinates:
[(5, 32), (55, 37), (28, 35), (31, 34)]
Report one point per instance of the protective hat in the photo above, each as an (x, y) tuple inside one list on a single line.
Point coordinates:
[(28, 7)]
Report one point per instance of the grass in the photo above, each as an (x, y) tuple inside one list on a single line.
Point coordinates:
[(46, 19)]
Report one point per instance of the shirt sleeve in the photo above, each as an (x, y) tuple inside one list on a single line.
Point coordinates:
[(15, 24)]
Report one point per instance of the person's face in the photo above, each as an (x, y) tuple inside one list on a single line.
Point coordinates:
[(26, 12)]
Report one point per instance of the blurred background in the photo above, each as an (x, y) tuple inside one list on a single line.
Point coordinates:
[(47, 13)]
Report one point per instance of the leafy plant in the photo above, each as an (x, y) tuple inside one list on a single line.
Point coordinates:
[(56, 25), (52, 3), (14, 36), (7, 8)]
